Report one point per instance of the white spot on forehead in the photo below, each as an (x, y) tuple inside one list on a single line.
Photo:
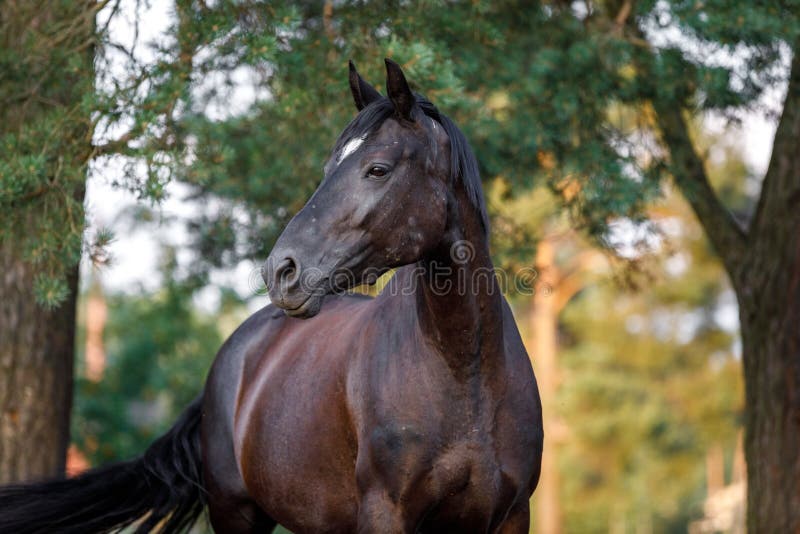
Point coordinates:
[(350, 147)]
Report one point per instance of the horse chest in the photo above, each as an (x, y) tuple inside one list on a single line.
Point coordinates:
[(464, 477), (471, 489)]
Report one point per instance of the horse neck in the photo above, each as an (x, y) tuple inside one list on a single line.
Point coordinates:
[(459, 304)]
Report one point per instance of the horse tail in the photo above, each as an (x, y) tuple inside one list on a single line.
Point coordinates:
[(162, 488)]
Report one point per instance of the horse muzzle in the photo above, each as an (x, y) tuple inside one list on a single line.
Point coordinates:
[(295, 290)]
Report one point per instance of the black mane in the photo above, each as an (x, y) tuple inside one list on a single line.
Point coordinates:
[(463, 164)]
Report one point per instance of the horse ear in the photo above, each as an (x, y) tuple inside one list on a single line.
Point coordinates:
[(399, 92), (363, 93)]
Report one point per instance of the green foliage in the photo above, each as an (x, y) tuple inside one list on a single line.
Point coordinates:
[(531, 83), (159, 348), (651, 383), (645, 403), (45, 74)]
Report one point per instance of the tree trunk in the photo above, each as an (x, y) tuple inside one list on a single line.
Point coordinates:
[(764, 266), (45, 122), (543, 351), (554, 289), (36, 361), (769, 311), (768, 290)]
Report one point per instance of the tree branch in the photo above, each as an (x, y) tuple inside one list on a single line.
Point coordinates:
[(780, 192), (577, 276), (623, 13), (327, 19), (115, 146), (725, 234)]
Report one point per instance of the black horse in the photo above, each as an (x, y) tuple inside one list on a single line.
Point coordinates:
[(415, 411)]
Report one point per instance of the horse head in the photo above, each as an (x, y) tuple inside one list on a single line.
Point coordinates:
[(383, 201)]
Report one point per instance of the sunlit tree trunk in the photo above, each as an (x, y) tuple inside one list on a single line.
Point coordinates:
[(715, 469), (96, 314), (555, 286), (94, 365), (543, 335)]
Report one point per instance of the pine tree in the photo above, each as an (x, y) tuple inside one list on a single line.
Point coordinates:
[(46, 73)]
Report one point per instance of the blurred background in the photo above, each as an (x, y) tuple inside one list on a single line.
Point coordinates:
[(166, 144)]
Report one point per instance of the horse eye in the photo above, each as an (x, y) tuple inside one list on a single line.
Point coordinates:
[(377, 171)]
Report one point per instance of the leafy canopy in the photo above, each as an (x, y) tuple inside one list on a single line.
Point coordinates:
[(552, 92)]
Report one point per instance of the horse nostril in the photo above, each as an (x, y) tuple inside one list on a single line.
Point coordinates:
[(287, 272)]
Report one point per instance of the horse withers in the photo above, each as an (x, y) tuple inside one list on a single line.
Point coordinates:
[(415, 411)]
